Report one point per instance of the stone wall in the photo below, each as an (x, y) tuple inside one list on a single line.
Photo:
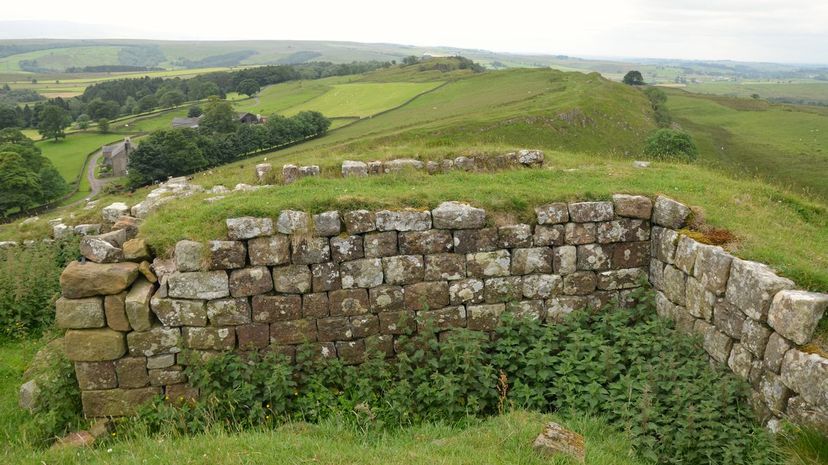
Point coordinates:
[(346, 283)]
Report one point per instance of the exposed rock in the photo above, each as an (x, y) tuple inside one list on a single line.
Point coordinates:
[(425, 242), (114, 211), (327, 224), (293, 222), (88, 229), (632, 206), (641, 164), (796, 314), (564, 259), (386, 299), (447, 266), (90, 279), (594, 257), (456, 215), (272, 308), (751, 286), (669, 213), (530, 158), (137, 305), (290, 173), (354, 168), (248, 227), (360, 221), (269, 250), (621, 279), (403, 220), (348, 302), (310, 250), (806, 374), (579, 283), (712, 268), (547, 235), (585, 212), (444, 318), (347, 248), (28, 396), (531, 260), (136, 250), (504, 289), (94, 345), (96, 375), (209, 338), (555, 440), (685, 257), (75, 440), (262, 171), (203, 285), (775, 351), (484, 317), (146, 271), (466, 291), (61, 231), (100, 251), (79, 313), (190, 256)]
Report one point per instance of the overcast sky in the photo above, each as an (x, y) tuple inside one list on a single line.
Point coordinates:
[(790, 31)]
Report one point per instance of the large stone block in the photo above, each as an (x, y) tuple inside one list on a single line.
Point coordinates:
[(100, 251), (586, 212), (351, 352), (801, 412), (675, 285), (484, 317), (137, 250), (456, 215), (95, 375), (712, 268), (475, 240), (579, 283), (429, 295), (253, 337), (399, 322), (179, 312), (167, 376), (190, 256), (156, 341), (348, 302), (269, 250), (327, 224), (751, 287), (527, 309), (344, 249), (775, 351), (115, 310), (315, 305), (325, 277), (513, 236), (94, 345), (334, 329), (80, 280), (504, 289), (664, 242), (310, 250), (442, 319), (116, 402), (740, 360), (715, 342), (364, 325), (630, 255), (425, 242), (621, 279), (774, 392), (79, 313), (386, 298), (209, 338), (558, 307), (488, 264), (807, 374), (685, 258), (381, 244), (352, 168), (132, 372), (594, 257), (669, 213), (360, 221), (622, 230), (112, 212), (796, 314), (565, 259), (552, 213), (579, 233), (755, 337), (404, 220), (226, 255), (403, 269), (246, 282), (632, 206), (228, 312), (466, 291), (448, 266), (201, 285), (540, 286), (293, 332), (547, 235), (137, 305), (531, 260), (292, 279), (728, 319), (366, 272), (248, 227), (699, 300), (272, 308), (293, 222)]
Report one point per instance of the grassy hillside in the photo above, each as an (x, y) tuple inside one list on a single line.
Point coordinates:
[(797, 91)]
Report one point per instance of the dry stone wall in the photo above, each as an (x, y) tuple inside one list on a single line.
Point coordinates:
[(350, 282)]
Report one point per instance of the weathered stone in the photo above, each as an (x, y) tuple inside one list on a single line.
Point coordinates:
[(622, 230), (334, 329), (775, 351), (136, 250), (272, 308), (375, 167), (515, 235), (675, 285), (325, 277), (163, 267), (315, 305), (116, 402), (79, 313), (146, 271), (400, 322), (381, 244), (115, 310), (348, 248), (269, 250), (293, 222), (716, 343), (594, 257), (137, 305), (351, 168), (115, 238), (456, 215), (807, 374), (360, 221), (621, 279), (364, 325), (632, 206), (488, 264), (475, 240), (403, 269), (530, 158), (100, 251), (552, 213), (402, 164), (348, 302), (253, 337), (327, 224), (448, 266), (263, 171), (751, 286), (351, 352), (203, 285), (190, 256), (728, 319), (585, 212), (533, 310), (88, 229), (503, 289), (664, 242), (61, 231), (127, 224), (685, 257), (740, 360), (95, 375), (540, 286), (292, 279), (310, 250), (579, 283), (366, 272), (579, 233), (209, 338), (796, 314), (156, 341), (80, 280), (548, 235), (484, 317), (531, 260), (555, 440), (669, 213), (293, 332), (132, 371), (664, 308), (465, 163), (425, 242), (630, 255), (228, 312), (94, 345), (386, 298), (801, 412), (755, 337), (112, 212), (428, 295), (466, 291), (309, 170), (226, 255), (442, 319), (179, 312), (28, 396), (290, 173), (160, 361), (774, 392), (699, 300), (712, 268), (248, 227), (557, 308), (565, 259), (167, 376), (403, 220)]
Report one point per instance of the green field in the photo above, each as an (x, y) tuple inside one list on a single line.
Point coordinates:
[(362, 99), (797, 91), (62, 58), (68, 155)]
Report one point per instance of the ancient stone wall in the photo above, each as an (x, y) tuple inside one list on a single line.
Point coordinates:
[(346, 283)]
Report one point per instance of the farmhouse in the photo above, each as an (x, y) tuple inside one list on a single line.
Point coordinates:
[(116, 156), (250, 118)]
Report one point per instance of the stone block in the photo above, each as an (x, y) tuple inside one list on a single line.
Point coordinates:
[(344, 249), (442, 319), (448, 266), (179, 312), (360, 221), (325, 277), (564, 259), (156, 341), (586, 212), (621, 279), (527, 309), (113, 211), (364, 325), (540, 286), (209, 338), (579, 233), (334, 329), (310, 250), (740, 360), (100, 251), (728, 319), (80, 280), (293, 222), (292, 279), (664, 243), (579, 283), (273, 308), (557, 308), (202, 285), (253, 337), (349, 302), (160, 361), (226, 255), (425, 242), (190, 256), (95, 375), (79, 313), (475, 240), (293, 332), (807, 374), (327, 224), (774, 392), (403, 269), (167, 376), (775, 351), (137, 250), (622, 230), (515, 235), (556, 442), (262, 170), (669, 213), (796, 314), (269, 250), (403, 220), (380, 244), (132, 372), (632, 206), (228, 312), (657, 276), (802, 413), (715, 342), (675, 285), (712, 268), (246, 282), (248, 227), (137, 304), (531, 260), (547, 235), (755, 337), (484, 317), (115, 310), (488, 264), (428, 295), (552, 213), (751, 287), (351, 352), (698, 299), (594, 257), (456, 215), (386, 298), (315, 305), (466, 291), (366, 272), (116, 402), (352, 168), (94, 345), (685, 257), (630, 255), (504, 289), (399, 322)]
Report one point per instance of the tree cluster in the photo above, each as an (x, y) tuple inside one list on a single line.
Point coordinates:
[(27, 178), (219, 139)]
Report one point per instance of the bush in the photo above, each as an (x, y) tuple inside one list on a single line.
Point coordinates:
[(622, 363), (669, 144), (29, 286)]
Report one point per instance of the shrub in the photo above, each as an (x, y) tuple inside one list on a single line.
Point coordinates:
[(669, 144), (658, 101)]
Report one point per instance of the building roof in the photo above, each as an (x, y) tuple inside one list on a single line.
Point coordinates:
[(185, 122), (113, 149)]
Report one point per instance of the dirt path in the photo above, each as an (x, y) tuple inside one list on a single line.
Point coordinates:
[(95, 184)]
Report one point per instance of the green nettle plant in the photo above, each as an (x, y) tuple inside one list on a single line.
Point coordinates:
[(624, 364)]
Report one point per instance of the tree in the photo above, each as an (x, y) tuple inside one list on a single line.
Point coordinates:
[(669, 144), (194, 111), (248, 87), (99, 108), (53, 120), (103, 125), (19, 185), (754, 96), (634, 78), (218, 116), (411, 60), (147, 102), (169, 152), (171, 98), (8, 117), (83, 121), (658, 101)]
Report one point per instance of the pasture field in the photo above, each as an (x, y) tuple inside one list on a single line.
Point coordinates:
[(69, 154), (62, 58), (362, 99), (797, 91), (280, 97)]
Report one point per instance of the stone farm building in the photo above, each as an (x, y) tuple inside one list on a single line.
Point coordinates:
[(116, 156), (191, 123)]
